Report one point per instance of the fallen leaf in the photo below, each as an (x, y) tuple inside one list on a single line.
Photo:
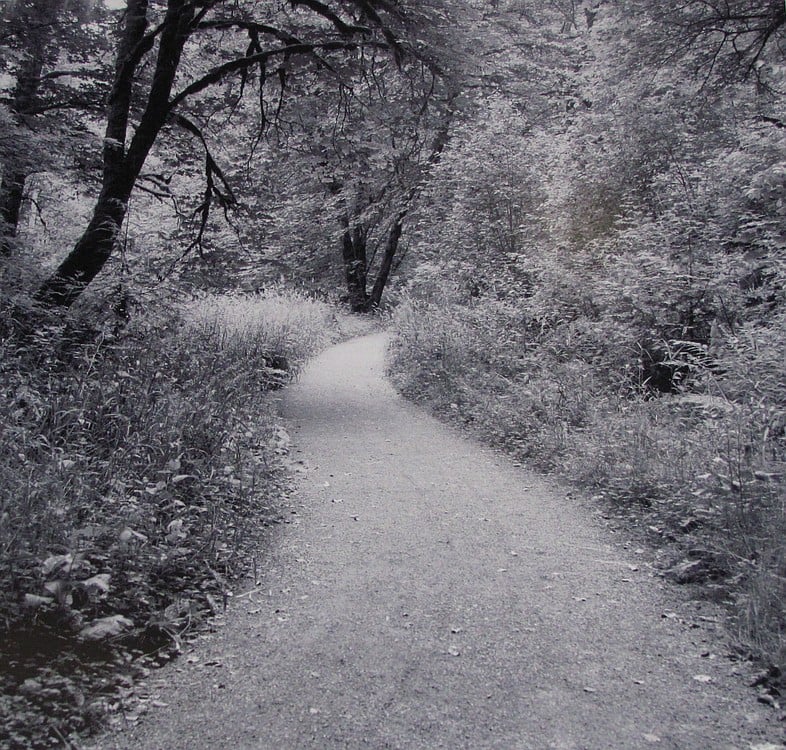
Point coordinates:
[(126, 535), (175, 531), (31, 687), (58, 589), (767, 700), (31, 600), (56, 562), (106, 627), (99, 582)]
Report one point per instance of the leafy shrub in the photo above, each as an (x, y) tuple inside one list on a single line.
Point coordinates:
[(479, 363)]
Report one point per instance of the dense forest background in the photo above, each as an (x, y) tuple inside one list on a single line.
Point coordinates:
[(573, 211)]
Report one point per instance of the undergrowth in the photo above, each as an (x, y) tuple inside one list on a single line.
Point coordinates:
[(137, 469), (701, 472)]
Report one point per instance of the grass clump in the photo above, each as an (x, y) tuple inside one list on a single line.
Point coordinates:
[(137, 470)]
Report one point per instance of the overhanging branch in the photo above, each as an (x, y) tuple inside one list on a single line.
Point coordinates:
[(217, 187), (243, 63), (344, 27)]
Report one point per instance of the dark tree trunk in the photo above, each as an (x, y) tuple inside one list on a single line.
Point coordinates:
[(12, 186), (12, 191), (355, 267), (90, 253), (373, 300), (121, 167), (391, 248)]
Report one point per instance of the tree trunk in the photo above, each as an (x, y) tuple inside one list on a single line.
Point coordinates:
[(355, 267), (12, 186), (90, 253), (441, 138), (121, 167), (12, 190), (391, 248)]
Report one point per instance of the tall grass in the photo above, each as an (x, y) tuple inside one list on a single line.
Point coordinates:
[(136, 472), (280, 325)]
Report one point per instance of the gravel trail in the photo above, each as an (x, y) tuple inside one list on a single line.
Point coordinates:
[(429, 594)]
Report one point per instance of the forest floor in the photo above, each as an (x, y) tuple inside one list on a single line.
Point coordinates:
[(430, 594)]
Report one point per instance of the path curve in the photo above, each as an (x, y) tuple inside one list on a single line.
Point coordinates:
[(432, 595)]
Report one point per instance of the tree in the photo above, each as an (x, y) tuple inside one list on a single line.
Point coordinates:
[(47, 47), (735, 39), (151, 88), (371, 154), (352, 181)]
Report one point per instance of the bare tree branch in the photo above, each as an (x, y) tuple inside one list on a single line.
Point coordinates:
[(217, 187), (233, 66)]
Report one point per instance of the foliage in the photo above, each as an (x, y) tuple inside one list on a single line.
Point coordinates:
[(135, 480), (705, 472), (49, 55), (168, 57), (586, 200), (603, 292)]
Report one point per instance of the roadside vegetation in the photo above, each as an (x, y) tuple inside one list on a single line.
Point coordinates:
[(138, 469), (700, 472), (608, 301), (610, 306)]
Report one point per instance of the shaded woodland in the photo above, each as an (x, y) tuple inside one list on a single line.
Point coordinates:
[(573, 211)]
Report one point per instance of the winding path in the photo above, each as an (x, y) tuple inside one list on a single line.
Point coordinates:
[(432, 595)]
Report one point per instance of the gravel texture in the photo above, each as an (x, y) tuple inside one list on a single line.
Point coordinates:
[(430, 594)]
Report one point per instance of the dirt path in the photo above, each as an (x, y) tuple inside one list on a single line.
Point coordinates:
[(434, 596)]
